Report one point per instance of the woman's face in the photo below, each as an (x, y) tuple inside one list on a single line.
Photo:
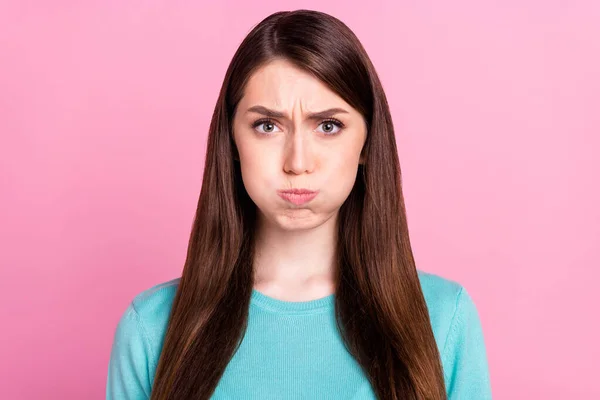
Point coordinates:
[(293, 150)]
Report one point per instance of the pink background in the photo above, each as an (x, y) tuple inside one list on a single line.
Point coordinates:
[(104, 111)]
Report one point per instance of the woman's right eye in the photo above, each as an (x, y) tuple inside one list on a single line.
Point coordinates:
[(268, 126)]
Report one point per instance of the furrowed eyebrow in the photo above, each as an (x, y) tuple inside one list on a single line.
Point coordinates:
[(313, 116)]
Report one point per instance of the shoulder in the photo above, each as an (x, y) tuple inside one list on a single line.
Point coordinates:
[(138, 341), (144, 322), (440, 294), (438, 289), (459, 335), (156, 297), (153, 307), (448, 303)]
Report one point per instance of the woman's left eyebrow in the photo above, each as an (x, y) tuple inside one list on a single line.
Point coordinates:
[(313, 116)]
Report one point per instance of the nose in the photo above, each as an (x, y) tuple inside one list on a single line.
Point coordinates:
[(299, 157)]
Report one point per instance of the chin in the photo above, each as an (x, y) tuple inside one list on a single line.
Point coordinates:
[(301, 219), (291, 219)]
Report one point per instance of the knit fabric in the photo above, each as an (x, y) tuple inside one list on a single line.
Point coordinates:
[(292, 350)]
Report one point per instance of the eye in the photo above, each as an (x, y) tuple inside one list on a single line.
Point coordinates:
[(330, 125), (268, 124)]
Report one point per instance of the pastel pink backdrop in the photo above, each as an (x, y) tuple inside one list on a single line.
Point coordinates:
[(104, 111)]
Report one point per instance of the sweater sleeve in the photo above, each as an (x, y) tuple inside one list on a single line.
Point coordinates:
[(128, 369), (464, 356)]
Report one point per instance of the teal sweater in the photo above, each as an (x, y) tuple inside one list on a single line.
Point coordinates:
[(292, 350)]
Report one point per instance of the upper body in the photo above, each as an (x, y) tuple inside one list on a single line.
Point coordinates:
[(292, 350), (303, 124)]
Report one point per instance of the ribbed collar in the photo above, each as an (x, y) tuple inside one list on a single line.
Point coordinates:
[(292, 307)]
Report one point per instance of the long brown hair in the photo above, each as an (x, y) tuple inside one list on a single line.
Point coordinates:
[(380, 309)]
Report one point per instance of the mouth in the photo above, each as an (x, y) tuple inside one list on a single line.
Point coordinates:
[(297, 196)]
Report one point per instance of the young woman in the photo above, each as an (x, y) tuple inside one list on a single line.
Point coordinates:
[(300, 281)]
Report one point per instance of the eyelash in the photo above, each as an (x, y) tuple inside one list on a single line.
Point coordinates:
[(334, 121)]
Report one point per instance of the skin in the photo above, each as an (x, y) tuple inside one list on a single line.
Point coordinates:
[(296, 243)]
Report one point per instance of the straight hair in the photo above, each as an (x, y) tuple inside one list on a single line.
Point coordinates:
[(380, 309)]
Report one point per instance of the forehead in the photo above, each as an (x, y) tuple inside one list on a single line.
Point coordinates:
[(282, 85)]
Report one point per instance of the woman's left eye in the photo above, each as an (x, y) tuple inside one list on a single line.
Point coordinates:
[(330, 125)]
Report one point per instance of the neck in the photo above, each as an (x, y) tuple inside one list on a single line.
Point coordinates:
[(296, 265)]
